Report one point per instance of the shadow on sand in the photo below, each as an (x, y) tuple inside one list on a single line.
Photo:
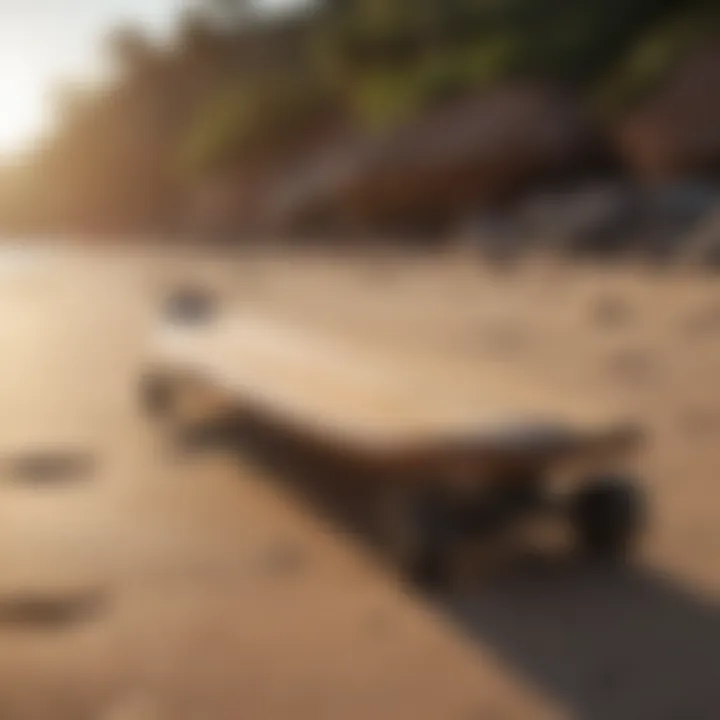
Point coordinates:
[(609, 643)]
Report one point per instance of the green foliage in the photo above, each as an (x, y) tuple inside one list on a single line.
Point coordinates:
[(655, 53), (398, 57), (250, 119), (221, 126)]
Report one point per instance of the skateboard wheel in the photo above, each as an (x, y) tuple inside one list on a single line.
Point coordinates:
[(607, 515), (413, 533)]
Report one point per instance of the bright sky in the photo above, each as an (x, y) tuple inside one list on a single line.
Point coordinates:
[(44, 41)]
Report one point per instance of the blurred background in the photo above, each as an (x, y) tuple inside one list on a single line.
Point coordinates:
[(591, 126), (360, 170)]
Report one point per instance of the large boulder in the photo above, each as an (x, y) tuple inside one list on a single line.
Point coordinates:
[(676, 131), (308, 195), (477, 152), (596, 219)]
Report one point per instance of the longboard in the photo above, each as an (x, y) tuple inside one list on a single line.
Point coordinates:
[(376, 402), (467, 447)]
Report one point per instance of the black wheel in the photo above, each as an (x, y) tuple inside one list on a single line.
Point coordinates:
[(607, 515), (156, 395), (414, 534)]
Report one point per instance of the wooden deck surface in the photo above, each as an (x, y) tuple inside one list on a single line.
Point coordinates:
[(376, 399)]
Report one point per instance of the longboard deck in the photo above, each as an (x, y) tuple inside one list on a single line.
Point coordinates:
[(373, 400)]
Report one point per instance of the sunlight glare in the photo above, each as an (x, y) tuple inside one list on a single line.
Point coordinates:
[(23, 108)]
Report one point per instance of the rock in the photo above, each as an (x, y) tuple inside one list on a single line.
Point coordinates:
[(702, 246), (669, 215), (596, 219), (617, 218), (491, 235), (676, 132), (473, 153)]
